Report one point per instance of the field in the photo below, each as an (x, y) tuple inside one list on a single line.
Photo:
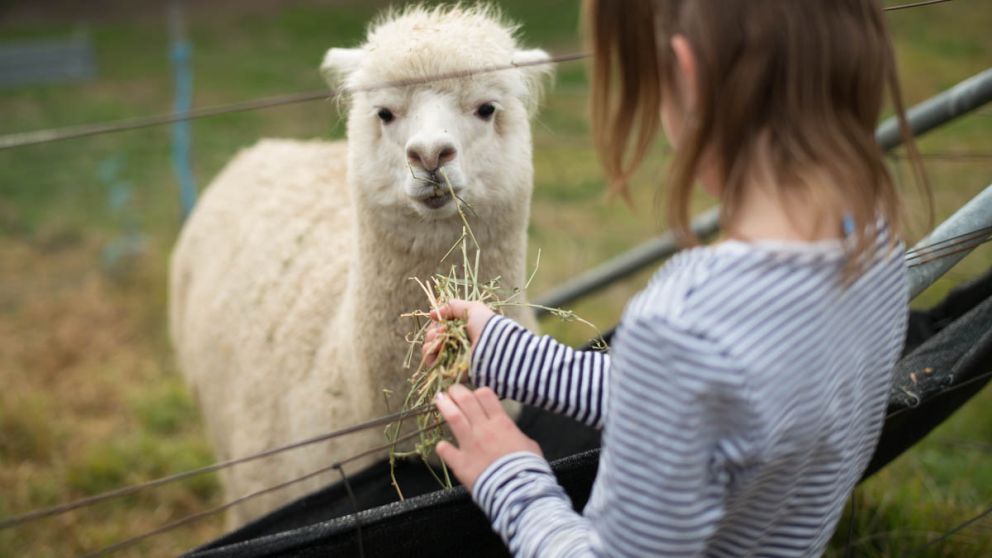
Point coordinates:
[(91, 398)]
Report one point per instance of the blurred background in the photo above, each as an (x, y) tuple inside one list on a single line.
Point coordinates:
[(90, 398)]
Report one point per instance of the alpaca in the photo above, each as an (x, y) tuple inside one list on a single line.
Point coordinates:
[(288, 279)]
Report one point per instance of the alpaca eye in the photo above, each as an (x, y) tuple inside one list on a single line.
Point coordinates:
[(385, 115), (485, 111)]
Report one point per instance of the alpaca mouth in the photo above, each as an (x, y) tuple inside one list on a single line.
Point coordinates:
[(436, 200), (433, 192)]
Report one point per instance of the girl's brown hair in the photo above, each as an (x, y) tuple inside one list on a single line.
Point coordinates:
[(799, 81)]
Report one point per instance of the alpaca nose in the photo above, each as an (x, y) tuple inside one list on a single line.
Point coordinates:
[(430, 156)]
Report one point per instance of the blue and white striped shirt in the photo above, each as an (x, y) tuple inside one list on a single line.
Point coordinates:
[(742, 401)]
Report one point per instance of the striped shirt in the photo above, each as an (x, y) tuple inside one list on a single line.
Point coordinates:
[(741, 402)]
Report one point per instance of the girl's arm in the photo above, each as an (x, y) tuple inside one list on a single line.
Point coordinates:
[(533, 370), (542, 372), (673, 428)]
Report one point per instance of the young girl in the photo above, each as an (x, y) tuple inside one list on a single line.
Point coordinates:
[(747, 383)]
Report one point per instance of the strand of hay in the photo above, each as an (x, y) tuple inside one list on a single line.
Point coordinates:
[(453, 359)]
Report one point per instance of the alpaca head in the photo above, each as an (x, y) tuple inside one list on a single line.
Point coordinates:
[(474, 131)]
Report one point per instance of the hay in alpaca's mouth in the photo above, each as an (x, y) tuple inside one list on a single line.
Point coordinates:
[(436, 190)]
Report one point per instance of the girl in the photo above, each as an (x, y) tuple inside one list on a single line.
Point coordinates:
[(747, 383)]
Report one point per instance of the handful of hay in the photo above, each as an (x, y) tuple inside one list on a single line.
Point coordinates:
[(453, 356)]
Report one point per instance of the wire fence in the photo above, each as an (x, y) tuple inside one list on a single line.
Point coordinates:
[(337, 465), (914, 5), (38, 137), (129, 490)]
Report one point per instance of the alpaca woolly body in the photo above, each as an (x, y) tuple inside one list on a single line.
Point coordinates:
[(289, 277)]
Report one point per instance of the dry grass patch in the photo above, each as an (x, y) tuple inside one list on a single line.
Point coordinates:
[(96, 405)]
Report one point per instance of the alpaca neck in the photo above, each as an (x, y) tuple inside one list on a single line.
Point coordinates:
[(379, 287)]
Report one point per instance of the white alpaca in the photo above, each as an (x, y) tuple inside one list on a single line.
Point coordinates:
[(288, 280)]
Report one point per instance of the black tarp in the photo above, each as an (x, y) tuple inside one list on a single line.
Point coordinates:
[(948, 352)]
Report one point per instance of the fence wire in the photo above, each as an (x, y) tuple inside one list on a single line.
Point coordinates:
[(215, 510), (37, 137), (50, 135), (913, 5), (128, 490), (949, 533)]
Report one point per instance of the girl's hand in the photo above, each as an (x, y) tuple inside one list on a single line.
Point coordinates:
[(475, 314), (483, 430)]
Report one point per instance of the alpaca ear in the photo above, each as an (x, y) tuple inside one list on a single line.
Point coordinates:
[(536, 66), (339, 63)]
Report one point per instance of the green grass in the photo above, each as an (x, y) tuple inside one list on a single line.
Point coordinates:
[(92, 398)]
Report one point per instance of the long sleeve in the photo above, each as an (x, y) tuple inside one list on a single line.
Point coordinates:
[(662, 479), (540, 371)]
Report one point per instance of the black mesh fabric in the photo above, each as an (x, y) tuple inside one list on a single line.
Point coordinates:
[(948, 352)]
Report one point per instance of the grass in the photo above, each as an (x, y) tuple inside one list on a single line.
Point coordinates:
[(92, 397)]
